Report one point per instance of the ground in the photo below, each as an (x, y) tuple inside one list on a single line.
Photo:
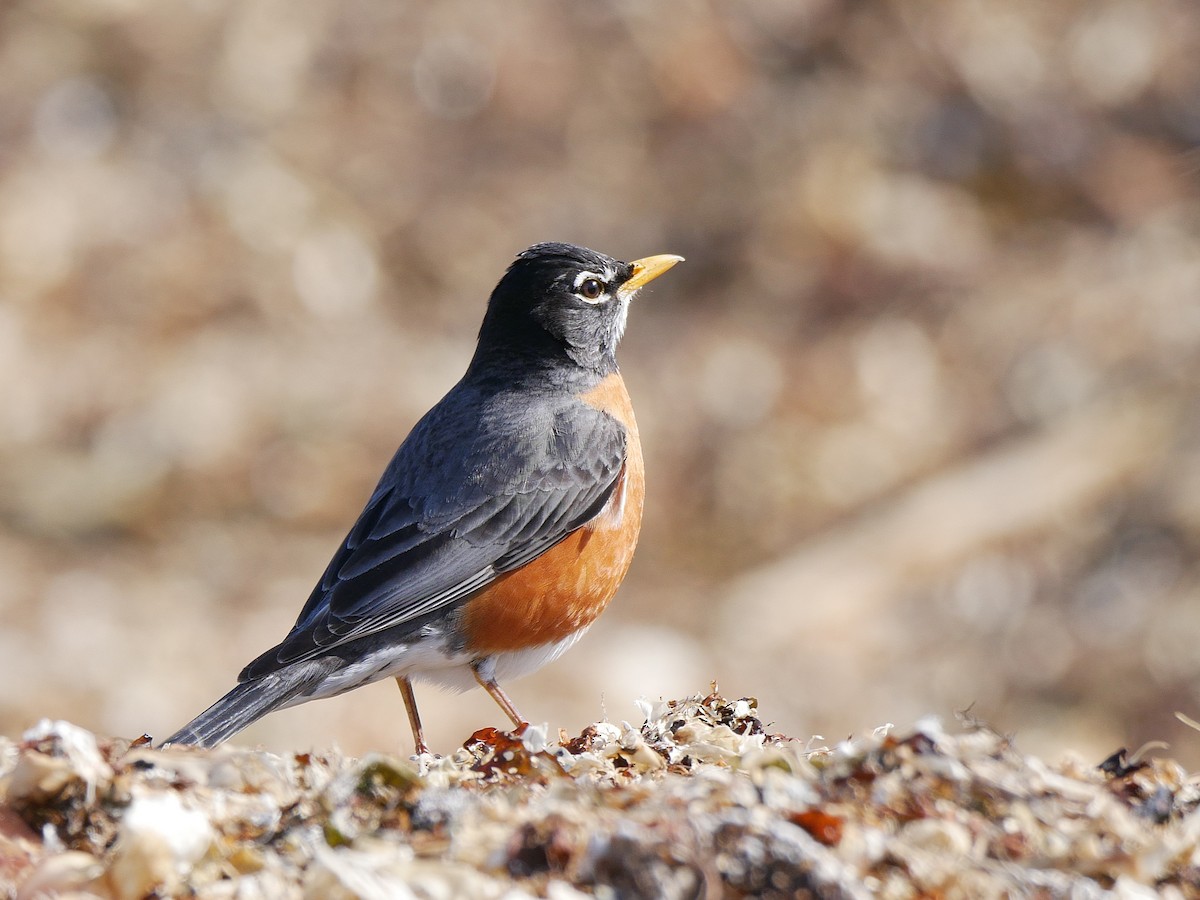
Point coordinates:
[(699, 800)]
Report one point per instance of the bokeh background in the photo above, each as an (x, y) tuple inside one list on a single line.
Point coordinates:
[(921, 411)]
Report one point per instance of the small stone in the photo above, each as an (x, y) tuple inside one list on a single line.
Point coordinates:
[(60, 874)]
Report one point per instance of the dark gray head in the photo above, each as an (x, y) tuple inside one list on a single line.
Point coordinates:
[(562, 304)]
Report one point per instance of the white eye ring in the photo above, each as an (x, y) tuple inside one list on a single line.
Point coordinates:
[(590, 287)]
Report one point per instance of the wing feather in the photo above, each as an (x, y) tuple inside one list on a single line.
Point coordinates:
[(444, 521)]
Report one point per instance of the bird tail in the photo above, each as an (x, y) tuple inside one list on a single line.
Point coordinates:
[(241, 707)]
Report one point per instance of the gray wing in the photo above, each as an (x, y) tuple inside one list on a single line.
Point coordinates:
[(479, 487)]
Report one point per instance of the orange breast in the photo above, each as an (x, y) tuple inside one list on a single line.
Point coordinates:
[(567, 587)]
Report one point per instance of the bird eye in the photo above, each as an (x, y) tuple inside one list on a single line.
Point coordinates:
[(591, 289)]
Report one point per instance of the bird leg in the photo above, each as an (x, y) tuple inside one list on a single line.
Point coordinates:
[(414, 718), (497, 694)]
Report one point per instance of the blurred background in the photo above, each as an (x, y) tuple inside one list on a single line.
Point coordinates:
[(920, 411)]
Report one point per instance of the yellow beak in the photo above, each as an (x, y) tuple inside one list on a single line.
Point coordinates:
[(647, 269)]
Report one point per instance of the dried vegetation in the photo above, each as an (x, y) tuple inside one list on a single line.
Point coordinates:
[(699, 801)]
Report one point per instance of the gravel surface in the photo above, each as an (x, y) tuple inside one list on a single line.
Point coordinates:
[(697, 801)]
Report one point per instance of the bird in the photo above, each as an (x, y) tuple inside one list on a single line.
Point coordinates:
[(504, 523)]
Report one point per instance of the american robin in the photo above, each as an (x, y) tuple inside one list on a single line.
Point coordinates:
[(503, 525)]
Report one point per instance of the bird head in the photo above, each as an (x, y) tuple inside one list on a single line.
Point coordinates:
[(559, 303)]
